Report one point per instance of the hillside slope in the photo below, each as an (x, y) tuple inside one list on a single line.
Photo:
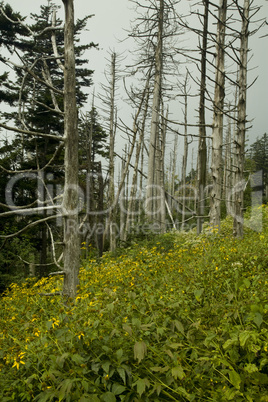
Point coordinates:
[(178, 318)]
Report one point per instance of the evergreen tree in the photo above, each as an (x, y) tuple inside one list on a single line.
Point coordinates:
[(10, 38), (40, 109), (259, 154)]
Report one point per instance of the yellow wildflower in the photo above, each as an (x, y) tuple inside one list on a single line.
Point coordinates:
[(18, 360)]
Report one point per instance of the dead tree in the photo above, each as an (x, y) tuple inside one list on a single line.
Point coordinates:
[(239, 143), (154, 134), (185, 151), (69, 206), (139, 147), (217, 132), (112, 223), (71, 253), (109, 106), (153, 32), (202, 144)]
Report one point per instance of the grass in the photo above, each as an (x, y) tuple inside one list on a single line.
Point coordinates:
[(180, 318)]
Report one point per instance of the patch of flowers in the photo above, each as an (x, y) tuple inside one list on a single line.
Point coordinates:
[(183, 318)]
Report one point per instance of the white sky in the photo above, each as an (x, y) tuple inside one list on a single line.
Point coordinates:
[(112, 16)]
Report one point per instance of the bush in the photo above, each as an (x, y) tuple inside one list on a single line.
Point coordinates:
[(181, 319)]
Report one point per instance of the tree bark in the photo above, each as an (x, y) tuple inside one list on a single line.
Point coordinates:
[(239, 144), (151, 175), (185, 154), (133, 191), (112, 230), (217, 133), (70, 196), (202, 145)]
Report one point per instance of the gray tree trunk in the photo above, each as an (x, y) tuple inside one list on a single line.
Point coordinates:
[(151, 175), (112, 223), (185, 154), (217, 133), (71, 255), (239, 143), (133, 191), (160, 155), (202, 145)]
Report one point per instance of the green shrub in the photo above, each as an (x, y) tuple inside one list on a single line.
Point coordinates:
[(183, 318)]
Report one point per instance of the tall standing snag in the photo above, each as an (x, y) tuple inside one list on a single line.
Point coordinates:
[(70, 195), (202, 145), (217, 134), (239, 145), (158, 56)]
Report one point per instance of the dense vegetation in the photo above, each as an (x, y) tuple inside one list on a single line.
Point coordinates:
[(180, 317)]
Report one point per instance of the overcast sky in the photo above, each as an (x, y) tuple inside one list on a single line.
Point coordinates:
[(113, 16)]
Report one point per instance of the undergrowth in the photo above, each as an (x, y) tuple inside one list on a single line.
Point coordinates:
[(182, 319)]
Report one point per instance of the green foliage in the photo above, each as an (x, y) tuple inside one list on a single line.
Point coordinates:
[(258, 158), (181, 319), (41, 113)]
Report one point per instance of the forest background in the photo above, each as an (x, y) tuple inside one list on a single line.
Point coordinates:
[(174, 104), (171, 316)]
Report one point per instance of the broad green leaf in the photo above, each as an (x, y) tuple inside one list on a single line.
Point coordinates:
[(243, 337), (140, 350), (209, 339), (160, 369), (247, 282), (230, 342), (177, 372), (136, 322), (198, 294), (122, 374), (230, 394), (235, 379), (141, 385), (106, 366), (65, 389), (158, 388), (179, 326), (175, 345), (85, 385), (118, 389), (108, 397), (61, 359), (90, 398), (183, 391), (127, 328), (119, 354), (78, 359), (110, 307), (258, 319), (251, 368), (254, 308)]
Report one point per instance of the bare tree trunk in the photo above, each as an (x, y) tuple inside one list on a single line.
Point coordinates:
[(239, 144), (128, 159), (217, 134), (43, 252), (100, 208), (131, 205), (202, 146), (160, 190), (151, 175), (227, 165), (162, 173), (70, 196), (112, 230), (185, 153), (123, 201), (174, 168), (141, 210)]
